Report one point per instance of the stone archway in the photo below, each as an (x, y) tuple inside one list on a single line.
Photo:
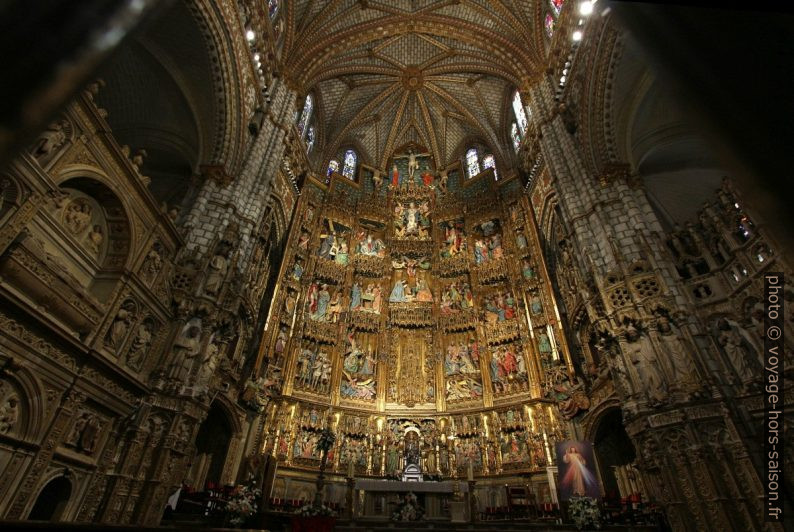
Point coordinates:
[(613, 448), (213, 443), (52, 500)]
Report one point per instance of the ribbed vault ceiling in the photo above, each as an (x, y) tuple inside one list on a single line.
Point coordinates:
[(430, 72)]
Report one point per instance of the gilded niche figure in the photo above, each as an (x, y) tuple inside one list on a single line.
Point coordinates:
[(355, 296), (341, 252), (398, 292), (297, 270), (318, 301), (454, 239), (335, 307), (358, 372), (370, 247), (527, 271), (499, 307), (545, 348)]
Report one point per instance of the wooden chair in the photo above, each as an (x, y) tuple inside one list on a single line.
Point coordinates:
[(518, 502)]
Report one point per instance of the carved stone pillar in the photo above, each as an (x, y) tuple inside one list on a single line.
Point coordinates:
[(641, 303)]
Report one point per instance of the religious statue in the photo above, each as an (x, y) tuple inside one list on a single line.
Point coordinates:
[(208, 365), (326, 245), (377, 180), (94, 239), (521, 240), (9, 413), (545, 348), (84, 433), (121, 324), (218, 267), (442, 183), (303, 240), (341, 255), (685, 375), (335, 307), (527, 271), (186, 347), (454, 239), (51, 139), (77, 216), (140, 345), (355, 297), (735, 349), (376, 298), (427, 178), (152, 265), (641, 355), (297, 270), (535, 305), (423, 293), (413, 165), (398, 292)]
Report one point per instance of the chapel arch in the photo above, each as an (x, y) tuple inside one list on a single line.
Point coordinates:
[(52, 500), (88, 229), (614, 452), (214, 447)]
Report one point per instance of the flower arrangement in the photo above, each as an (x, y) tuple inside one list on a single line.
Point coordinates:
[(584, 512), (408, 510), (313, 510), (242, 504)]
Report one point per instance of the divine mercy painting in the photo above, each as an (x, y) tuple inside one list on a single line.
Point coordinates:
[(576, 476)]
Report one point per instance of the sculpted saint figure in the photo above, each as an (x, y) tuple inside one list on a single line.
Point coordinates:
[(219, 265)]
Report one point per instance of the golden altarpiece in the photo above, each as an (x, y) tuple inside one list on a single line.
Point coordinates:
[(413, 315)]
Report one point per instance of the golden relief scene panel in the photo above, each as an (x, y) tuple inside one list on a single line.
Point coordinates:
[(408, 327)]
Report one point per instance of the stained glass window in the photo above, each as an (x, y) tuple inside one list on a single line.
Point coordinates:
[(489, 162), (549, 24), (516, 136), (349, 169), (521, 116), (310, 139), (472, 163), (333, 166), (272, 7), (307, 112), (556, 6)]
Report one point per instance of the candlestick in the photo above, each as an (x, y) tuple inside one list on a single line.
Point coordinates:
[(350, 470), (470, 475)]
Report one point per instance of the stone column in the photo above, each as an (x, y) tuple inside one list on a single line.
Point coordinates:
[(615, 246)]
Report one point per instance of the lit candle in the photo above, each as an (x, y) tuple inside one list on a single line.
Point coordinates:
[(470, 475)]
